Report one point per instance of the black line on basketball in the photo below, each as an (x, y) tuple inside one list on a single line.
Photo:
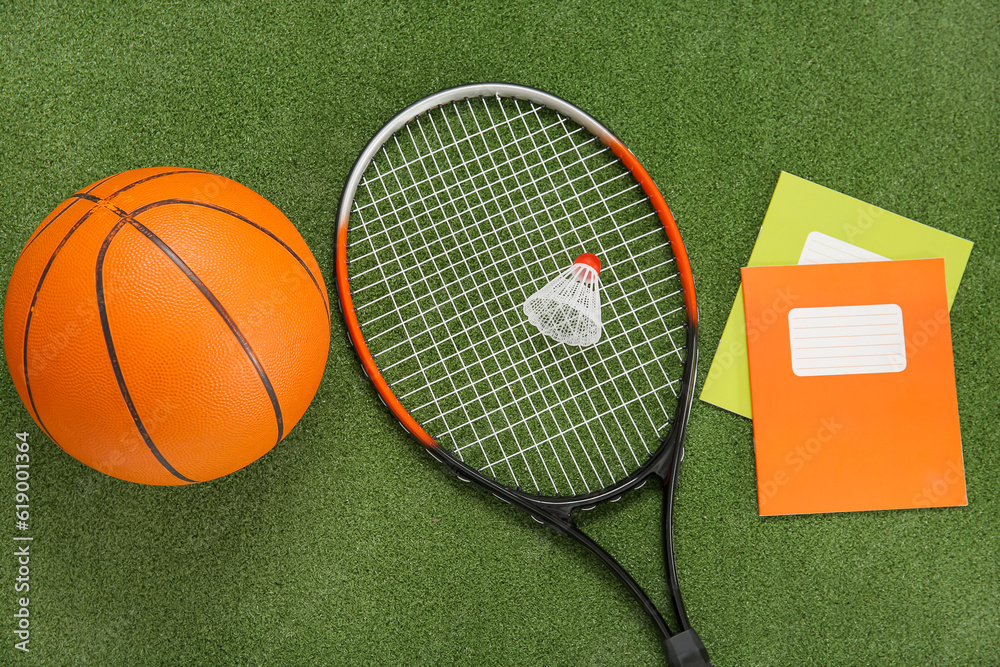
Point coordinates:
[(113, 355), (31, 310), (150, 178), (85, 194), (242, 218), (98, 184), (223, 313), (42, 230), (121, 213)]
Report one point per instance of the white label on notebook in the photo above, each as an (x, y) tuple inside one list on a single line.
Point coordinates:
[(847, 340), (823, 249)]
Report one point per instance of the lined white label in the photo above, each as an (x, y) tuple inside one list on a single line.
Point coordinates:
[(821, 248), (847, 340)]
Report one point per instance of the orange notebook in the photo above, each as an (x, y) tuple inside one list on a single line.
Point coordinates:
[(853, 387)]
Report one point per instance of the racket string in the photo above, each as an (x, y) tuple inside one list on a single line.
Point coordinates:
[(609, 324), (416, 184), (488, 270), (453, 336), (608, 270), (463, 404), (524, 195), (423, 202), (547, 406), (575, 230), (414, 357), (593, 418), (503, 214), (443, 206), (624, 373), (641, 276), (549, 175), (450, 297)]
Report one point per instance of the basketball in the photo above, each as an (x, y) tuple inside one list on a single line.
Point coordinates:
[(166, 326)]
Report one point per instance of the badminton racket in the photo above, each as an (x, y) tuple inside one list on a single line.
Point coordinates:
[(461, 207)]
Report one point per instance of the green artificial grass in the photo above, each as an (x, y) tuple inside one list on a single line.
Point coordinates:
[(349, 545)]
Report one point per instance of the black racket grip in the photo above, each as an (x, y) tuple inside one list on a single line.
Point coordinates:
[(686, 650)]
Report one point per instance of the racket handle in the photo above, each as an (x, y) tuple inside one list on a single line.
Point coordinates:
[(686, 650)]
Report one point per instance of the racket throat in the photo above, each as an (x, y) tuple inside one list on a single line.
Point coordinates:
[(663, 467)]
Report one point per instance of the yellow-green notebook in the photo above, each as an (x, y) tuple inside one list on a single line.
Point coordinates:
[(809, 224)]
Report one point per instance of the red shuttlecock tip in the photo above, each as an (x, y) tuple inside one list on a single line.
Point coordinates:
[(591, 260)]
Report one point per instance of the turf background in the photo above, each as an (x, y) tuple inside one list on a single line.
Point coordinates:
[(347, 544)]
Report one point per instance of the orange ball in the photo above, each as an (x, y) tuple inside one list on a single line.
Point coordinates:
[(166, 326)]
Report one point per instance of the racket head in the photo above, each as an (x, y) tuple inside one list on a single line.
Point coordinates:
[(455, 211)]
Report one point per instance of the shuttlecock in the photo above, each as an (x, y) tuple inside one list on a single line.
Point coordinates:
[(568, 308)]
